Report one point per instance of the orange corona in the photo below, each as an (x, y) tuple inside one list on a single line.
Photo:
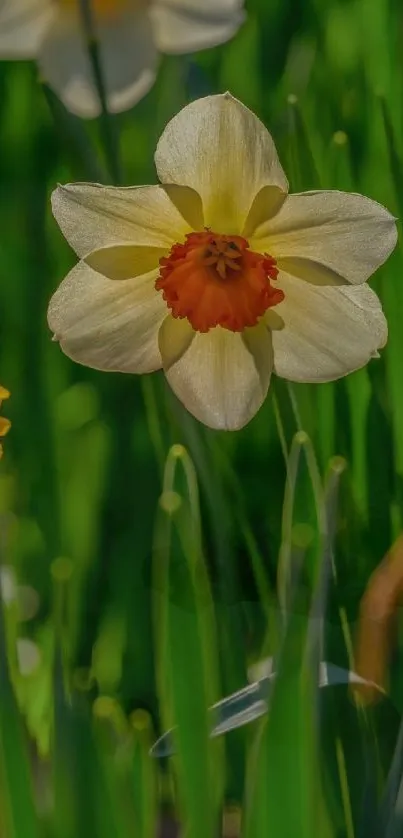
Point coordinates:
[(216, 280)]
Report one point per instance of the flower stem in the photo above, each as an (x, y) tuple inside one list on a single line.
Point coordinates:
[(109, 135)]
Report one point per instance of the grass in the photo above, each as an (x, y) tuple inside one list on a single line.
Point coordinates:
[(167, 558)]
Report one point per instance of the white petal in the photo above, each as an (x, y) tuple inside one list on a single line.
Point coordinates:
[(91, 216), (128, 55), (188, 25), (223, 377), (328, 332), (221, 149), (108, 325), (23, 24), (347, 233)]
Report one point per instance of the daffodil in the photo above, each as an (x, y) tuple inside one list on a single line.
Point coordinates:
[(4, 423), (131, 33), (218, 275)]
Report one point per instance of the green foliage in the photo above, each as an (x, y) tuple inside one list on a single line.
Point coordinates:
[(167, 558)]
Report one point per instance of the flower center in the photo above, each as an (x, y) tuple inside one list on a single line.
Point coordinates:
[(216, 280)]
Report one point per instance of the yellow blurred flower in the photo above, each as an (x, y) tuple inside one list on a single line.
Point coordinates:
[(131, 34), (218, 275), (4, 423)]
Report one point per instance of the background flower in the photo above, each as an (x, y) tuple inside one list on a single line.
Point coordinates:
[(131, 33)]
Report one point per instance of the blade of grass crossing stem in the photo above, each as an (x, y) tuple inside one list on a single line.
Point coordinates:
[(18, 818), (187, 668)]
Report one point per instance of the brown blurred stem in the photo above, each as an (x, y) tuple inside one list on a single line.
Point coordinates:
[(377, 623)]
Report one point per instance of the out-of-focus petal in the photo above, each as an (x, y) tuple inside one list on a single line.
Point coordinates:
[(223, 377), (128, 55), (188, 25), (220, 148), (346, 233), (5, 426), (91, 216), (108, 325), (23, 24), (328, 332)]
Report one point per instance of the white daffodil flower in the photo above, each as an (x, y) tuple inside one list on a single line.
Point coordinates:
[(131, 33), (218, 275)]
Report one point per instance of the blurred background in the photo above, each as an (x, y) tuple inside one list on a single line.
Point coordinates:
[(130, 601)]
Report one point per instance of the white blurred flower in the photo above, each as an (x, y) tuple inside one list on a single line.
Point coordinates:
[(218, 275), (131, 33)]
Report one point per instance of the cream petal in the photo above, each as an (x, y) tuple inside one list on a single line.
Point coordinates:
[(223, 377), (128, 54), (23, 24), (346, 233), (92, 216), (187, 26), (328, 332), (108, 325), (221, 149)]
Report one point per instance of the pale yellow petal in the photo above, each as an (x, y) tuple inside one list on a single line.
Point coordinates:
[(328, 332), (175, 337), (266, 204), (124, 261), (220, 148), (310, 271), (92, 216), (23, 25), (348, 234), (127, 51), (188, 25), (108, 325), (222, 378)]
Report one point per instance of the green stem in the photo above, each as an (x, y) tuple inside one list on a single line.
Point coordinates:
[(109, 135)]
